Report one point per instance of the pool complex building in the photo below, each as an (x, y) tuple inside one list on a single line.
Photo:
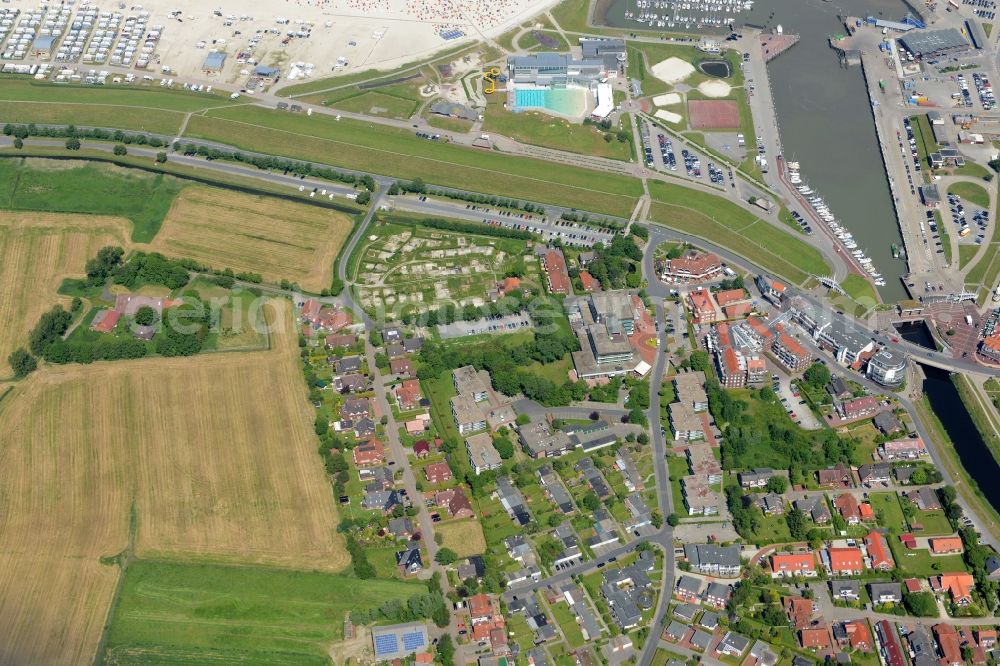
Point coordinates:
[(562, 84)]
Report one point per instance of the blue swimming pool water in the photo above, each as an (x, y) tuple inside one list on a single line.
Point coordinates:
[(567, 101)]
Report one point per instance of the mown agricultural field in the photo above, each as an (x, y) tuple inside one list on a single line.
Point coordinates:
[(274, 237), (217, 453), (38, 250), (196, 614), (400, 154), (76, 186)]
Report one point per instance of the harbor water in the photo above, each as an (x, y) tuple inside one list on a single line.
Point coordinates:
[(825, 118), (826, 124)]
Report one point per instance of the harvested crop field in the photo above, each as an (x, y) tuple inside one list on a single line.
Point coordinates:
[(216, 452), (278, 239), (38, 250), (465, 537)]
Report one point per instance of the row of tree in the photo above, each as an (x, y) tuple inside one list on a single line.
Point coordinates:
[(418, 186), (74, 132)]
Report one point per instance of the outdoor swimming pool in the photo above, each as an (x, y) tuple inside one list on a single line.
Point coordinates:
[(566, 101)]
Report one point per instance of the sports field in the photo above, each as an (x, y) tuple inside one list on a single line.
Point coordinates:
[(274, 237), (217, 454), (38, 250), (398, 153), (197, 614)]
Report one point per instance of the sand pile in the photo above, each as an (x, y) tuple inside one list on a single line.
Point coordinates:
[(667, 100), (714, 89), (673, 70), (669, 116)]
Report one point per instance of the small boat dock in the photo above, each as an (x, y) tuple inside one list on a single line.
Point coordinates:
[(773, 45)]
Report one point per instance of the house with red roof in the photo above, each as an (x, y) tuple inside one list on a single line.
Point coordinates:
[(556, 275), (845, 561), (701, 306), (730, 296), (590, 283), (438, 472), (793, 564), (422, 449), (878, 551), (859, 636), (949, 644), (455, 501), (815, 638), (799, 611), (370, 453), (736, 310), (401, 366), (859, 408), (408, 395), (692, 266), (989, 348), (105, 321), (946, 545), (847, 505), (759, 331), (908, 540), (732, 373), (959, 585), (788, 350)]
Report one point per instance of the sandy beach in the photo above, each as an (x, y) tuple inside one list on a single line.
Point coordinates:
[(321, 37)]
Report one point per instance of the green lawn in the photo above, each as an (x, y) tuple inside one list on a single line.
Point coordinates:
[(935, 523), (971, 192), (860, 289), (888, 511), (97, 189), (920, 563), (399, 153), (925, 140), (197, 614), (567, 622)]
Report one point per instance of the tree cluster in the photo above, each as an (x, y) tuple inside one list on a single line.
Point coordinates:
[(616, 266), (76, 133), (418, 186), (427, 606)]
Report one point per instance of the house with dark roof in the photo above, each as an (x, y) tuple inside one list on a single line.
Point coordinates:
[(884, 593), (409, 560)]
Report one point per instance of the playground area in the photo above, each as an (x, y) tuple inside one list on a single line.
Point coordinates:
[(401, 267)]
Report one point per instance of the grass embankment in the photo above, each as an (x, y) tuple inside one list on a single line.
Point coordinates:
[(986, 422), (925, 143), (151, 109), (965, 484), (971, 192), (541, 129), (399, 153), (189, 613), (394, 101), (724, 223)]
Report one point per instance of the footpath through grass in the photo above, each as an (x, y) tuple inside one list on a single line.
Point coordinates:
[(737, 229), (400, 154), (197, 614)]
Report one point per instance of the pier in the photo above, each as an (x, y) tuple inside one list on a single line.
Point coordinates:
[(773, 45)]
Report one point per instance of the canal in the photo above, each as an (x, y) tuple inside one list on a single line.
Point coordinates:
[(972, 451)]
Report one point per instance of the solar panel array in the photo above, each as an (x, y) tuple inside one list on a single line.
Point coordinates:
[(386, 644), (413, 640)]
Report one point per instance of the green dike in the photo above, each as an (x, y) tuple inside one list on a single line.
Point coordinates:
[(196, 614), (151, 109), (398, 153), (737, 229)]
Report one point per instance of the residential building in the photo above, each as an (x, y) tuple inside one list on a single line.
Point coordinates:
[(949, 645), (409, 560), (884, 593), (700, 303), (688, 589), (692, 266), (858, 408), (847, 506), (539, 440), (840, 475), (756, 478), (870, 475), (771, 289), (554, 264), (845, 561), (887, 423), (887, 368), (793, 564), (482, 453), (815, 638), (721, 561), (512, 501), (879, 556), (408, 395), (732, 645), (845, 590), (370, 453), (717, 594), (771, 504), (438, 473), (468, 416), (816, 508), (989, 348), (925, 498), (791, 354), (946, 545), (907, 448)]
